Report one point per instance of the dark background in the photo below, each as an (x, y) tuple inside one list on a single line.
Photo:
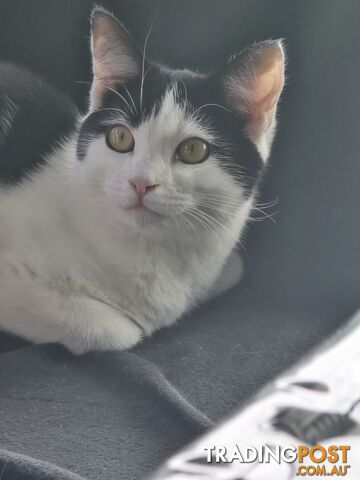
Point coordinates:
[(303, 271)]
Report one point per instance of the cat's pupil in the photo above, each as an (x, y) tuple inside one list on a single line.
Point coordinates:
[(189, 148)]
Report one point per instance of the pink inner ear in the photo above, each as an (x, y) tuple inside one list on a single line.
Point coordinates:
[(266, 89), (254, 85), (114, 56), (98, 48), (269, 82), (102, 73)]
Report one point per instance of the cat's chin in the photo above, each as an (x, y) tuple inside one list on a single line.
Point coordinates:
[(143, 216)]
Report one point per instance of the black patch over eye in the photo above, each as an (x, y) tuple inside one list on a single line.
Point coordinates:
[(192, 151), (120, 139)]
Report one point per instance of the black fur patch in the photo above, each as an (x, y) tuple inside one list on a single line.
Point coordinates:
[(198, 91), (34, 117)]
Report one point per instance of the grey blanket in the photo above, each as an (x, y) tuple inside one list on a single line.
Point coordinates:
[(118, 415)]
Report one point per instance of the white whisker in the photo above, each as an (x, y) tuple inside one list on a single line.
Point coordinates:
[(266, 215), (143, 63), (131, 98), (210, 105), (118, 94)]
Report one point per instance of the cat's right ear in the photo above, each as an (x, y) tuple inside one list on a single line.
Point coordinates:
[(115, 58), (252, 83)]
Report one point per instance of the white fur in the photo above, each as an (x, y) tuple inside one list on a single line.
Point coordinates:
[(80, 266)]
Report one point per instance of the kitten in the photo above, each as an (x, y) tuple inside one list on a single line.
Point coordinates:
[(114, 224)]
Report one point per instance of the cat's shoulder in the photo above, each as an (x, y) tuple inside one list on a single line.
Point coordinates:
[(34, 117)]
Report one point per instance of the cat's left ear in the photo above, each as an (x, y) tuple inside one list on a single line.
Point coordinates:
[(115, 58), (252, 83)]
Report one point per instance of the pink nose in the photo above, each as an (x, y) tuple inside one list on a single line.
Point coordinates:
[(142, 186)]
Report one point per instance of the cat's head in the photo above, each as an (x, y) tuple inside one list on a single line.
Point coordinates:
[(162, 146)]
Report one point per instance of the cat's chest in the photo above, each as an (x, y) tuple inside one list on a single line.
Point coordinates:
[(153, 282)]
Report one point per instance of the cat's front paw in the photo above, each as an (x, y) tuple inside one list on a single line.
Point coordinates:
[(105, 328), (106, 342)]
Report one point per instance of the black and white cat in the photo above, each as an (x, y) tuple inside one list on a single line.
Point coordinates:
[(114, 224)]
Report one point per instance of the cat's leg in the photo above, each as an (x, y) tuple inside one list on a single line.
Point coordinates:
[(230, 275), (81, 323)]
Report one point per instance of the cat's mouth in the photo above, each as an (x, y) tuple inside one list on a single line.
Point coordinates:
[(144, 213), (151, 211), (139, 207)]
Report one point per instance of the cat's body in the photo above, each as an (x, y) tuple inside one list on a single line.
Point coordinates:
[(87, 260)]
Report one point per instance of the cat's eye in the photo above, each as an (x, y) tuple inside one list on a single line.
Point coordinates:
[(120, 139), (193, 150)]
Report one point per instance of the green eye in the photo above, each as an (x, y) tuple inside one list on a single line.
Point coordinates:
[(193, 150), (120, 139)]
